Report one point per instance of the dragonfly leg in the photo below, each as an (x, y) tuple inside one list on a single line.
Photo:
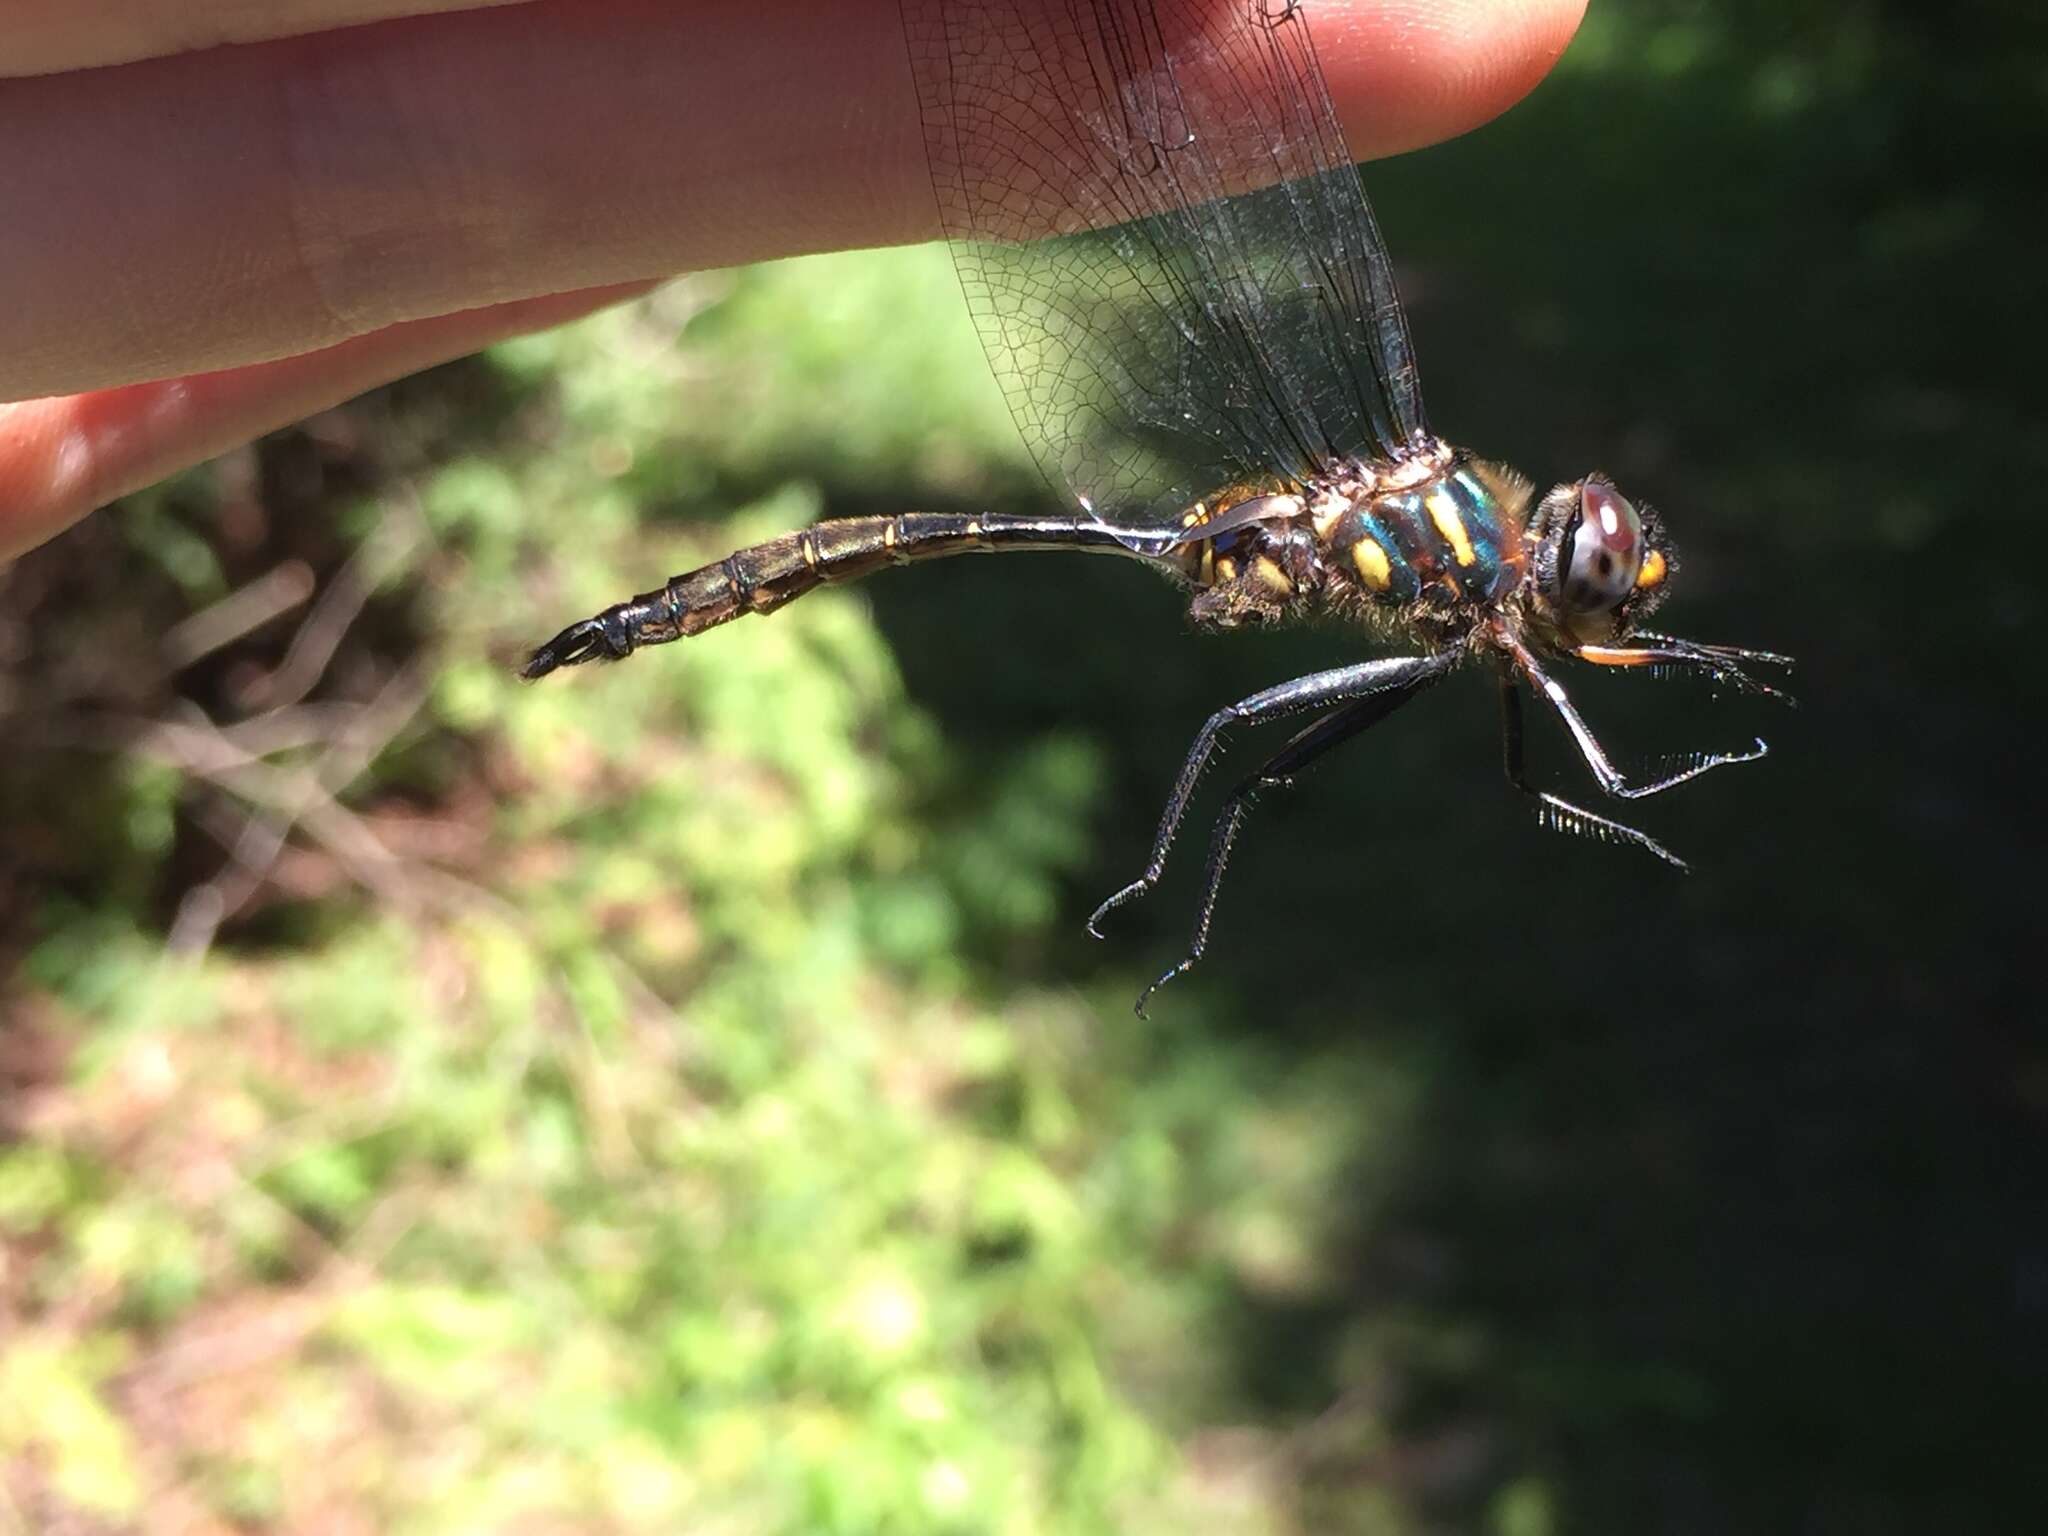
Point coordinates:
[(1401, 675), (1277, 772), (1722, 663), (1611, 778), (1555, 811)]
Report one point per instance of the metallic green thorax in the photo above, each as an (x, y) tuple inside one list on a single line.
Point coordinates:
[(1448, 542)]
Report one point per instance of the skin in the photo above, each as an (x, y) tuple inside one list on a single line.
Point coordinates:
[(203, 242)]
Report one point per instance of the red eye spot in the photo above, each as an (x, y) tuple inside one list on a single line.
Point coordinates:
[(1605, 552), (1608, 511)]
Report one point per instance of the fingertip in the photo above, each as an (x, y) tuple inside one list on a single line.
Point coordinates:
[(1407, 73)]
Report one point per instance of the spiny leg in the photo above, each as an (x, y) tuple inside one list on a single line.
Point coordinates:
[(1554, 810), (1723, 663), (1610, 778), (1316, 691), (1333, 730)]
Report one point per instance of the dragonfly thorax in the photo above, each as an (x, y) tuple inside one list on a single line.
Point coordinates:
[(1440, 549), (1433, 543)]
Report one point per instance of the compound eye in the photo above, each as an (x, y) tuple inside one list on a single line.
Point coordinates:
[(1606, 550)]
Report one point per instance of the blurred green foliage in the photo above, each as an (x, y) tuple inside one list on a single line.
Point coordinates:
[(675, 1096), (685, 1170)]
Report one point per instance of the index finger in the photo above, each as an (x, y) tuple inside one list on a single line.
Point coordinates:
[(242, 204), (43, 39)]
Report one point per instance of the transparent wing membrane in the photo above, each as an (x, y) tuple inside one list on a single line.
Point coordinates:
[(1163, 242)]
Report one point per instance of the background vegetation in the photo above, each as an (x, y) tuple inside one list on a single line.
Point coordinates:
[(680, 1097)]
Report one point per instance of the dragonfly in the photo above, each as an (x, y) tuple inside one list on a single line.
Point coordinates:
[(1170, 258)]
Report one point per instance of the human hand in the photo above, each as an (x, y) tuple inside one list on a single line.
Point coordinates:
[(201, 243)]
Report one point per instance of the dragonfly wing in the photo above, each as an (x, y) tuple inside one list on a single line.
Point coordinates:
[(1164, 243)]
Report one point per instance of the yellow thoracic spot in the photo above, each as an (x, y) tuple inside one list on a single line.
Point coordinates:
[(1272, 576), (1226, 568), (1444, 513), (1653, 571), (1373, 566), (1327, 509)]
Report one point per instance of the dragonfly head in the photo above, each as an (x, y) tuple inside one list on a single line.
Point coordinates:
[(1598, 562)]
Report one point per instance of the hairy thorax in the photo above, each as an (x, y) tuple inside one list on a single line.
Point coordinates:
[(1429, 544)]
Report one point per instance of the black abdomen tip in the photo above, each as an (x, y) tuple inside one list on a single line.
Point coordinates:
[(590, 640), (539, 664)]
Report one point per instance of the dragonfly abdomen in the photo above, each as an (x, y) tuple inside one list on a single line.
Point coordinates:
[(763, 577)]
